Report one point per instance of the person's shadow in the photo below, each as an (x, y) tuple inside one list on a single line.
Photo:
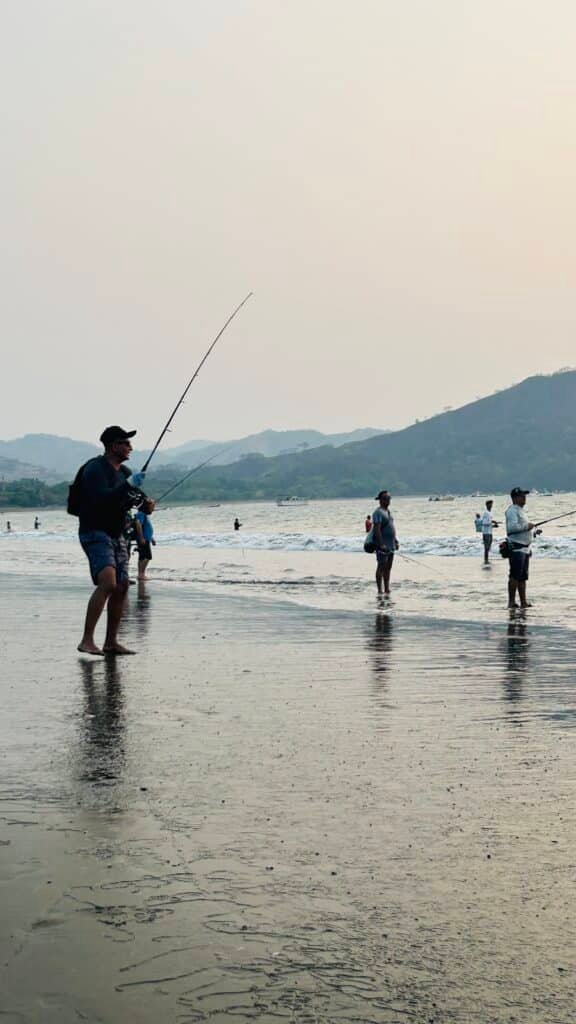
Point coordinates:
[(103, 722)]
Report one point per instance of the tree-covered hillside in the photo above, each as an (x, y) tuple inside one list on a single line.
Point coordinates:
[(524, 435)]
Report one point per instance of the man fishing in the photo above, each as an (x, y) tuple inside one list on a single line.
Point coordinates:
[(101, 495), (385, 541), (488, 524), (519, 533)]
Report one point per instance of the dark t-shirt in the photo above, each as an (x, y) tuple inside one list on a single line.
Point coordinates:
[(105, 497)]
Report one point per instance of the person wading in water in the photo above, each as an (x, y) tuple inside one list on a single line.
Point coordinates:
[(385, 541)]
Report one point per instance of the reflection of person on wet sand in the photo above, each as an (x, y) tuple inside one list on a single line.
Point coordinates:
[(516, 659), (379, 643), (138, 611), (103, 721)]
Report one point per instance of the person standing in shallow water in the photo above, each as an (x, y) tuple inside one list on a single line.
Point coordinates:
[(368, 523), (385, 541), (519, 533), (237, 523), (104, 490), (488, 525)]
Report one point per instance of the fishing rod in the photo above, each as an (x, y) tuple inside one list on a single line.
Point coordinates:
[(191, 473), (561, 516), (191, 381)]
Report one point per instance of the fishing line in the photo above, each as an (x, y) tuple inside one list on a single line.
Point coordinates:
[(191, 473), (192, 379), (421, 564)]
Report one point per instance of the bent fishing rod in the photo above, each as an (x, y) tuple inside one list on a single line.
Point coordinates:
[(191, 381), (191, 473)]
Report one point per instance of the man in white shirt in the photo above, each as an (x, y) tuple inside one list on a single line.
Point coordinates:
[(519, 532), (488, 525)]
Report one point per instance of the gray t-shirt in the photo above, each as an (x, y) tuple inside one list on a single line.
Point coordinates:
[(387, 528)]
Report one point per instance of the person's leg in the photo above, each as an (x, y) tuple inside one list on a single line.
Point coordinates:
[(487, 546), (105, 586), (142, 563), (386, 573), (115, 608), (117, 601), (379, 578), (524, 602), (512, 588), (522, 594)]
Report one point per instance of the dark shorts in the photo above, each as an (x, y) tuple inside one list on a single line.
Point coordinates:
[(384, 559), (519, 564), (145, 551), (487, 538), (102, 551)]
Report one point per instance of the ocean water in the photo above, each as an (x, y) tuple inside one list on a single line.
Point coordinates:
[(312, 555), (445, 529)]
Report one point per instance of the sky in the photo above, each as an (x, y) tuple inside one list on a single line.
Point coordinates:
[(393, 181)]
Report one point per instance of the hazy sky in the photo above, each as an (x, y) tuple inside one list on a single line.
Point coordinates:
[(395, 181)]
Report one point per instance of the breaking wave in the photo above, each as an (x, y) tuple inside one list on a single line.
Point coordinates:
[(444, 546)]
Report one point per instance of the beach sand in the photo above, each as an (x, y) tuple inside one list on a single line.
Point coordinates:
[(283, 813)]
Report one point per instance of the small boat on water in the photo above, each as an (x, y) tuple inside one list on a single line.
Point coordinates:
[(441, 497), (290, 500)]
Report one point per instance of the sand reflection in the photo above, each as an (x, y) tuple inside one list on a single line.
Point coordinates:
[(103, 752), (379, 643), (516, 664)]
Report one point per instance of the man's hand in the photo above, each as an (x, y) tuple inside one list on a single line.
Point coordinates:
[(137, 479), (531, 526), (148, 506)]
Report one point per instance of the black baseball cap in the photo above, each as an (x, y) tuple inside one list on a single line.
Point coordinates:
[(517, 491), (380, 493), (115, 433)]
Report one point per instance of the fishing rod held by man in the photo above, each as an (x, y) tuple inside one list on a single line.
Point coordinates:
[(191, 381)]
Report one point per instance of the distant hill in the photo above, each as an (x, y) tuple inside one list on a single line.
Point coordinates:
[(523, 435), (60, 456), (267, 442), (50, 457), (13, 469)]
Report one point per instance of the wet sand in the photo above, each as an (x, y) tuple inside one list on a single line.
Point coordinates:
[(283, 813)]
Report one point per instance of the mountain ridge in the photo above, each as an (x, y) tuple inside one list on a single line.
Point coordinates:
[(54, 457), (521, 435)]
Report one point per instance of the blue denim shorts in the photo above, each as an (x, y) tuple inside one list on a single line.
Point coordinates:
[(102, 551)]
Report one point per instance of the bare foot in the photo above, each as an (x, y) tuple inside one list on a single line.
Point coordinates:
[(116, 649), (512, 606), (85, 648)]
